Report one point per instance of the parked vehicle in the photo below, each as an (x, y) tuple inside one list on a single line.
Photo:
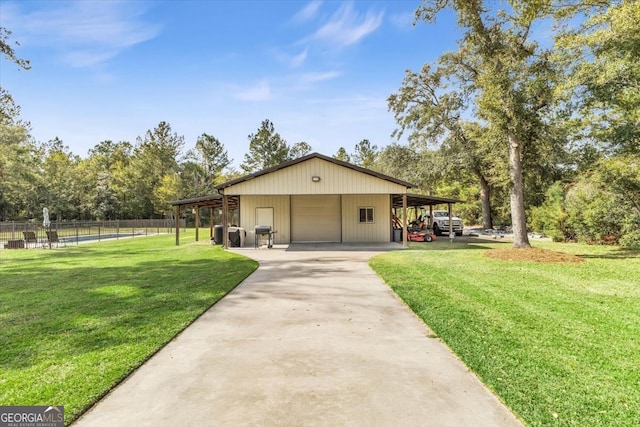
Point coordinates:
[(441, 223)]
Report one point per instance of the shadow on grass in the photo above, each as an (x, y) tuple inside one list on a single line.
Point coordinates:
[(615, 254), (86, 317), (465, 243), (84, 310)]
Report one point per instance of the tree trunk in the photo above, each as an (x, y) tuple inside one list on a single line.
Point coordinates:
[(485, 197), (518, 217)]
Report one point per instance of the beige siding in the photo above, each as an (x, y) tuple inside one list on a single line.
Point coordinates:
[(334, 179), (281, 216), (354, 231), (315, 218)]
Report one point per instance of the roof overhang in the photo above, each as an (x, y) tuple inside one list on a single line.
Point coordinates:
[(213, 201), (421, 200)]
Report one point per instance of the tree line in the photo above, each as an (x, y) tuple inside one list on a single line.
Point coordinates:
[(539, 136), (121, 180)]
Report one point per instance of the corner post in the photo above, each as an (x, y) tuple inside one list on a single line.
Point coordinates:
[(404, 220), (450, 219), (197, 224), (225, 221), (177, 217), (211, 222)]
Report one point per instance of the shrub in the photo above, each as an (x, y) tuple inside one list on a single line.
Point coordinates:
[(550, 218), (593, 213)]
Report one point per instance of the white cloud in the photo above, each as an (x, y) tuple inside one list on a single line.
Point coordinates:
[(84, 33), (402, 21), (88, 58), (346, 26), (299, 59), (315, 77), (308, 12), (261, 91)]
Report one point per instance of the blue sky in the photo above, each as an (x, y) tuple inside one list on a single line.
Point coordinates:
[(321, 71)]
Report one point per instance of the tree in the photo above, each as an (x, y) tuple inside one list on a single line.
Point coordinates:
[(602, 55), (8, 109), (170, 188), (105, 188), (266, 149), (429, 106), (19, 172), (61, 191), (365, 154), (8, 52), (298, 150), (212, 155), (400, 161), (194, 179), (510, 77), (202, 167), (154, 157), (342, 155), (550, 217), (19, 158)]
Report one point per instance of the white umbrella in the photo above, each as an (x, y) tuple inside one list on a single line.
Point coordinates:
[(46, 222)]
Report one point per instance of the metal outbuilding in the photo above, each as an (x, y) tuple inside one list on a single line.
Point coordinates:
[(314, 198)]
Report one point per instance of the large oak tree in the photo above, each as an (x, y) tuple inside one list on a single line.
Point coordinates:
[(509, 76)]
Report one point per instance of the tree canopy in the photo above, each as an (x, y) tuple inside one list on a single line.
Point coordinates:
[(266, 148)]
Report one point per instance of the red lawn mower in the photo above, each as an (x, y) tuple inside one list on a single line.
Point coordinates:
[(420, 236), (416, 232)]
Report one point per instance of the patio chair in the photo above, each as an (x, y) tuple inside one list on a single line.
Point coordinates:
[(30, 238), (52, 237)]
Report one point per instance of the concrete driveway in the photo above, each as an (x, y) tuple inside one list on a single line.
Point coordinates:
[(312, 338)]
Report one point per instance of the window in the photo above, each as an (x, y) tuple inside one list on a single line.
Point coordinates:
[(366, 215)]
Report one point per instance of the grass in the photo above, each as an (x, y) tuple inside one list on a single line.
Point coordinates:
[(558, 343), (75, 321)]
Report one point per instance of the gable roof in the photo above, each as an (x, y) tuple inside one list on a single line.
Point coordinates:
[(309, 157)]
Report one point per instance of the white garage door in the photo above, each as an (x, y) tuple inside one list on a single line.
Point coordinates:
[(315, 218)]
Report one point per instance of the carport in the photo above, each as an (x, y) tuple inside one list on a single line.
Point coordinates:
[(215, 201), (422, 200)]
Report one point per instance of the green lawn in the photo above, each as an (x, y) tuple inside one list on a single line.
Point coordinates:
[(558, 343), (75, 321)]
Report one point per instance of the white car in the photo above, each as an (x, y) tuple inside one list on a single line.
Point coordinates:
[(441, 223)]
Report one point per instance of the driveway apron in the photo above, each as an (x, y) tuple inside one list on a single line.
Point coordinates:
[(312, 338)]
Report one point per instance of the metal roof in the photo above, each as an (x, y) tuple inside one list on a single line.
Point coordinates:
[(421, 200), (308, 157), (212, 201)]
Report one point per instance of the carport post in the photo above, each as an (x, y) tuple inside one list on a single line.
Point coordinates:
[(197, 221), (177, 216), (404, 220), (211, 222), (450, 220), (225, 225), (431, 217)]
